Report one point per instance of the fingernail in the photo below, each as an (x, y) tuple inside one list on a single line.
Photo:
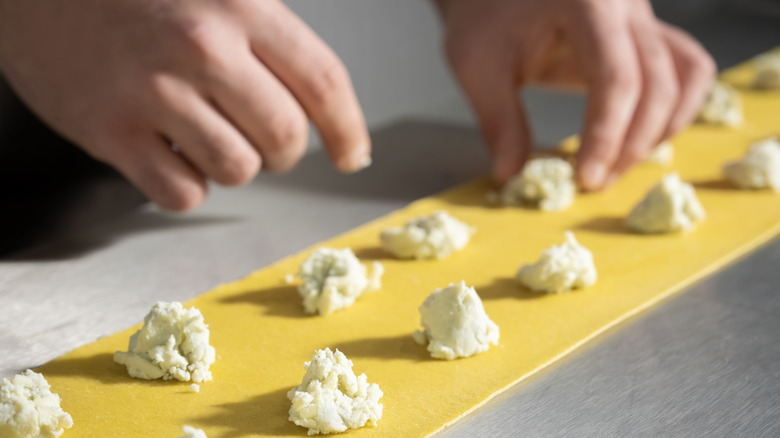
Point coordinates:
[(356, 161), (366, 163), (593, 175)]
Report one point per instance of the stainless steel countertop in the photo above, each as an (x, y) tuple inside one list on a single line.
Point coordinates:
[(704, 363)]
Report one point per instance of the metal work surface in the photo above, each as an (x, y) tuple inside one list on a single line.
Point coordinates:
[(705, 362)]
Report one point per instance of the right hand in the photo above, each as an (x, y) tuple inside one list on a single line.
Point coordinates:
[(230, 83), (645, 79)]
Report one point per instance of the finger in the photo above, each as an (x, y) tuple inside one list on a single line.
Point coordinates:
[(489, 82), (695, 70), (659, 96), (264, 110), (209, 141), (164, 176), (604, 49), (316, 77)]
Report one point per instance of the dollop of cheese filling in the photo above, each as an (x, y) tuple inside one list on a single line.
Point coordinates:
[(561, 268), (670, 206), (455, 323), (332, 279), (758, 169), (331, 398), (28, 408), (544, 183), (723, 106), (172, 344), (427, 237)]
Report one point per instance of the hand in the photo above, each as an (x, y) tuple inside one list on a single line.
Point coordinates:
[(645, 80), (230, 83)]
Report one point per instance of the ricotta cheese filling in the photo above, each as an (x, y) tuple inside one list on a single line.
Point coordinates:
[(427, 237), (28, 408), (561, 268), (455, 323), (172, 344), (191, 432), (759, 168), (544, 183), (723, 106), (767, 72), (670, 206), (332, 279), (663, 154), (331, 398)]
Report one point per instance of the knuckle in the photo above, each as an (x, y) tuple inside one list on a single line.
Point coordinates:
[(666, 90), (287, 132), (622, 80), (327, 81), (171, 192), (182, 198), (201, 43), (239, 170), (232, 165), (159, 85), (603, 141)]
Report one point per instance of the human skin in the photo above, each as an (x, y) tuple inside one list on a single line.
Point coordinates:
[(231, 83), (645, 80)]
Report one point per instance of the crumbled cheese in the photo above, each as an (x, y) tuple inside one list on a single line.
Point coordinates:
[(723, 106), (289, 279), (191, 432), (331, 398), (561, 268), (427, 237), (195, 387), (767, 72), (663, 154), (332, 279), (28, 408), (669, 206), (455, 323), (759, 168), (544, 183), (172, 344)]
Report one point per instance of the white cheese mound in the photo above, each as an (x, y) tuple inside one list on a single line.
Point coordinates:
[(332, 279), (723, 106), (544, 183), (663, 154), (767, 72), (455, 323), (759, 168), (28, 408), (331, 398), (561, 268), (191, 432), (427, 237), (669, 206), (172, 344)]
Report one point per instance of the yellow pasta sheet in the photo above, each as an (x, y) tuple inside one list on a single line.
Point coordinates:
[(262, 336)]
